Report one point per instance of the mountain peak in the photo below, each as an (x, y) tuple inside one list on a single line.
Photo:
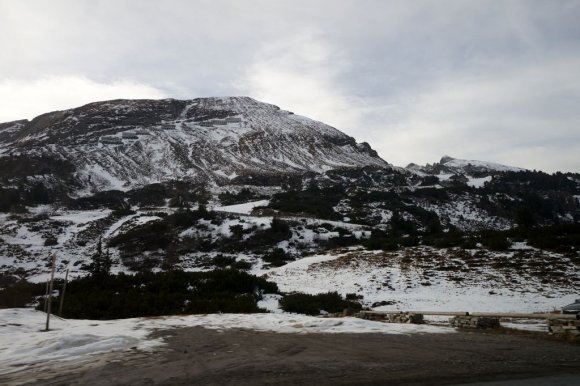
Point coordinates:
[(446, 159), (124, 142)]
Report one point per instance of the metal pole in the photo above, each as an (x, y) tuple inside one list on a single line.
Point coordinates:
[(53, 258), (62, 296)]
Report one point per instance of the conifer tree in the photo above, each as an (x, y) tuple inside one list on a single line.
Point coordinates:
[(101, 264)]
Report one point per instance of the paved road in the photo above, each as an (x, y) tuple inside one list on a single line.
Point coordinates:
[(196, 356), (557, 380)]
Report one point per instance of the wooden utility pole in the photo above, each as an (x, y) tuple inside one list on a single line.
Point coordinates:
[(46, 296), (62, 295), (53, 260)]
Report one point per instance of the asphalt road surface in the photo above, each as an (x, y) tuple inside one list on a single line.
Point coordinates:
[(197, 356)]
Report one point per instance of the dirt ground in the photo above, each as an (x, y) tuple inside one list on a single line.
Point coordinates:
[(196, 356)]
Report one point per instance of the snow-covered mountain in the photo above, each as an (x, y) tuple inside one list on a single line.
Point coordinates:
[(450, 165), (123, 143), (252, 162)]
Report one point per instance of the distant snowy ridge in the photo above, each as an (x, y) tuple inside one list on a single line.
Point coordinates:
[(449, 166), (461, 163)]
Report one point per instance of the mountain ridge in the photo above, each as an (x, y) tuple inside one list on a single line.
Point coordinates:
[(124, 143), (452, 165), (47, 129)]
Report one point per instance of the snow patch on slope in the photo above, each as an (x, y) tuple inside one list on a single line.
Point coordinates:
[(386, 277), (245, 208)]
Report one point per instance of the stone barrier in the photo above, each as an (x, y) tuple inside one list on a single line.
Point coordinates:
[(474, 322), (404, 317), (565, 328)]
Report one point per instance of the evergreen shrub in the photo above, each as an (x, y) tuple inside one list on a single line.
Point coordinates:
[(312, 304)]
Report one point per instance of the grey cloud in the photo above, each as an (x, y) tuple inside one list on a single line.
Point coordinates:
[(495, 80)]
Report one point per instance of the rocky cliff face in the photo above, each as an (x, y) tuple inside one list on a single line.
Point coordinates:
[(124, 143)]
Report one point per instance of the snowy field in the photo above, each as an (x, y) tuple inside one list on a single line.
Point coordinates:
[(24, 344), (377, 279)]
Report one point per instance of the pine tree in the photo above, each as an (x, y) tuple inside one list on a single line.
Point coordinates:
[(101, 265), (171, 258)]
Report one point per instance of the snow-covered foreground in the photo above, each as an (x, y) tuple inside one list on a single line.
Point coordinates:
[(23, 343)]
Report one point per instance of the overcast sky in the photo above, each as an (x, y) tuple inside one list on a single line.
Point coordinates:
[(490, 80)]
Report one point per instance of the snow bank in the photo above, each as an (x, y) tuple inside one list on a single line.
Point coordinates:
[(293, 323), (23, 343)]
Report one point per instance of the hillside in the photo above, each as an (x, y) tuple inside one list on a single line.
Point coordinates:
[(239, 184)]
